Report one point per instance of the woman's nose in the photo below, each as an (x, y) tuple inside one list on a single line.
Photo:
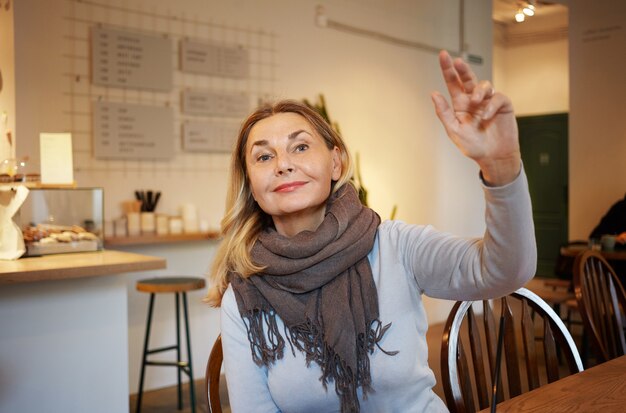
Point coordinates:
[(283, 164)]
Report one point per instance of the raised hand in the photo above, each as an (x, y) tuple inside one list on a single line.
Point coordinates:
[(480, 121)]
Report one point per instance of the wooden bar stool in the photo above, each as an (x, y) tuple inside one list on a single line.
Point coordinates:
[(179, 286)]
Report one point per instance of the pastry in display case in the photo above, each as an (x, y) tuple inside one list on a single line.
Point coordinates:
[(60, 220)]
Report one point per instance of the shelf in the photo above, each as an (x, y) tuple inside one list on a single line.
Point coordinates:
[(160, 239), (38, 185)]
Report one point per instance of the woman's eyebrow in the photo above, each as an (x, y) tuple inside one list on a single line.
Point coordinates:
[(265, 142), (292, 135)]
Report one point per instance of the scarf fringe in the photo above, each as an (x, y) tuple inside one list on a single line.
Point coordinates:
[(267, 348)]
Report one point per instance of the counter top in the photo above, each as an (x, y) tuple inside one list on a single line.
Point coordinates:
[(76, 265)]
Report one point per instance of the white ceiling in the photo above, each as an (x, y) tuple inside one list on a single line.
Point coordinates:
[(555, 11)]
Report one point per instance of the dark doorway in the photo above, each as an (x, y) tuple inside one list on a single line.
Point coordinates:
[(543, 142)]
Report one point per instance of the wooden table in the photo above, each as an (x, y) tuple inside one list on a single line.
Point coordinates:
[(616, 255), (599, 389)]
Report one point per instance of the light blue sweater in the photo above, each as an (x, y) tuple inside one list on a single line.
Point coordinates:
[(407, 261)]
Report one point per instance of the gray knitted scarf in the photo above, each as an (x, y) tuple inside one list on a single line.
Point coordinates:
[(320, 284)]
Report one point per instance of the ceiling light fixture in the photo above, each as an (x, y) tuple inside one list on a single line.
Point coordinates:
[(525, 8), (529, 10)]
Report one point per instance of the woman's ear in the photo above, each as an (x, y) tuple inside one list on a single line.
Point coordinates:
[(337, 165)]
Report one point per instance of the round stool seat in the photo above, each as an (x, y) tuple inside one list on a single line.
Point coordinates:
[(170, 284)]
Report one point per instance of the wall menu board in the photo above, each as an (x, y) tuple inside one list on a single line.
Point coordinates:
[(125, 131), (209, 102), (211, 59), (131, 60), (212, 136)]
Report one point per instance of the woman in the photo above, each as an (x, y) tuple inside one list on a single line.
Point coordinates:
[(321, 304)]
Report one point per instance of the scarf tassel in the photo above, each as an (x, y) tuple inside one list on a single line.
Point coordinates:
[(269, 347), (266, 348)]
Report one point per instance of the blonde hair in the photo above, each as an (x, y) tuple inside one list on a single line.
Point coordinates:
[(244, 219)]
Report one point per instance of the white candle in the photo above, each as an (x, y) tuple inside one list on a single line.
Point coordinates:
[(176, 225), (134, 223), (162, 224), (148, 223)]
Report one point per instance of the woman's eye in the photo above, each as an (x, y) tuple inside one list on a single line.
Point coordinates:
[(302, 147), (263, 158)]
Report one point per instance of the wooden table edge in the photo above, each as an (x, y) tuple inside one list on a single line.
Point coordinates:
[(76, 265)]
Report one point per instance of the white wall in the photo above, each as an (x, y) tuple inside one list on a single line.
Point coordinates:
[(598, 109), (535, 76), (7, 90), (378, 92)]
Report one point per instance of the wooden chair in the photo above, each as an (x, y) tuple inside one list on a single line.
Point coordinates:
[(468, 351), (212, 377), (602, 302), (562, 287), (564, 264)]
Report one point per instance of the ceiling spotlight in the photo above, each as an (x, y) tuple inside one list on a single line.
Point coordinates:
[(529, 10), (519, 16)]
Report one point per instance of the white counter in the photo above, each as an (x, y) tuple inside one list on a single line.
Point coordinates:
[(59, 351)]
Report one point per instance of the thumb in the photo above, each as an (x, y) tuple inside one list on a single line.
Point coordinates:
[(443, 110)]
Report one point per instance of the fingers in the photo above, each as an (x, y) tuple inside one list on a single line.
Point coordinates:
[(497, 104), (450, 76), (444, 112), (460, 79), (483, 91), (476, 99), (465, 73)]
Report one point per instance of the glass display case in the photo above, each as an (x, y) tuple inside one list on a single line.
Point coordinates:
[(60, 220)]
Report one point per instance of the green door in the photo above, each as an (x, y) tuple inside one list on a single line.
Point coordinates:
[(543, 142)]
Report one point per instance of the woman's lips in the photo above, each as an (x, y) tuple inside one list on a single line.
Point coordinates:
[(288, 187)]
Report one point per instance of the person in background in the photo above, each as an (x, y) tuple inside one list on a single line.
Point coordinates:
[(613, 223), (321, 302)]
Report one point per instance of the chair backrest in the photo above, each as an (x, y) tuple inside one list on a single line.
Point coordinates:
[(602, 302), (212, 377), (529, 360)]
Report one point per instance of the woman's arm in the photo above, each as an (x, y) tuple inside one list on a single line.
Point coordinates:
[(456, 268), (247, 383), (482, 125)]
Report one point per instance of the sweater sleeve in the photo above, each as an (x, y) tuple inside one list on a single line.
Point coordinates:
[(455, 268), (248, 389)]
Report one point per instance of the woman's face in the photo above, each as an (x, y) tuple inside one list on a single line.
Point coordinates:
[(290, 169)]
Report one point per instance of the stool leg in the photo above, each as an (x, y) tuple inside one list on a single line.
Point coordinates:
[(191, 383), (178, 360), (145, 353)]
